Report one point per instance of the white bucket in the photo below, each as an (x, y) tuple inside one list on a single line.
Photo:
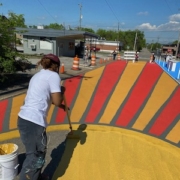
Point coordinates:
[(8, 161)]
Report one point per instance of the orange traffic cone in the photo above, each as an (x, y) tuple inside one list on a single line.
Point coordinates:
[(93, 60), (62, 68), (100, 61), (119, 57), (75, 63)]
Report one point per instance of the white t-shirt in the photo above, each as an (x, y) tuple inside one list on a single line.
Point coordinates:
[(38, 98)]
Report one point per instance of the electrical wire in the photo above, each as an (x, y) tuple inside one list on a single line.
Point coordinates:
[(168, 6), (46, 10), (112, 10)]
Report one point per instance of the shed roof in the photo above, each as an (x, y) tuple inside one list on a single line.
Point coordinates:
[(73, 34)]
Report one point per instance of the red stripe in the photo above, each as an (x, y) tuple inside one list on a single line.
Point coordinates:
[(3, 105), (71, 86), (169, 113), (143, 86), (108, 81)]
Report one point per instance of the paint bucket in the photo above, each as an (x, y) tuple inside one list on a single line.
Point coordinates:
[(8, 161)]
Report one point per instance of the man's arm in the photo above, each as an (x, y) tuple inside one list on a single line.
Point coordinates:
[(57, 98)]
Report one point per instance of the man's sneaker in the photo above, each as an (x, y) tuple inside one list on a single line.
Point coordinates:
[(43, 177), (36, 164)]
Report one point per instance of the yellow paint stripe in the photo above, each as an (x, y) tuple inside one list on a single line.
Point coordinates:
[(9, 135), (51, 110), (85, 92), (123, 87), (161, 93), (174, 134), (17, 102)]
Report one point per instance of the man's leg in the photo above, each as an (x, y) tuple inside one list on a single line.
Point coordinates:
[(34, 139)]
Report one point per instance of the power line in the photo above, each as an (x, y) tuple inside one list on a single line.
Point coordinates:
[(46, 10), (112, 10), (168, 6)]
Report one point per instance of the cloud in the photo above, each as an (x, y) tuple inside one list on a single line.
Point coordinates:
[(147, 26), (174, 17), (143, 13), (172, 25)]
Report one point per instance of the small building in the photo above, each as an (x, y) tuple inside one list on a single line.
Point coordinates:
[(58, 42), (170, 49), (104, 45)]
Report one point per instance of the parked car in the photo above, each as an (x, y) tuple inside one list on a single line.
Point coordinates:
[(93, 48)]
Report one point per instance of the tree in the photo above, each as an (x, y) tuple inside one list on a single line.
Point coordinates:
[(101, 33), (33, 27), (8, 52), (7, 40), (126, 37), (18, 20), (109, 35), (87, 30), (54, 26), (175, 42)]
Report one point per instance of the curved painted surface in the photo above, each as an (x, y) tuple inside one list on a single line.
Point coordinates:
[(132, 114), (137, 96)]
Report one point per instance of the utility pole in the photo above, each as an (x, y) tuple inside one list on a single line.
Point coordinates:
[(152, 45), (178, 45), (64, 28), (118, 38), (80, 18), (135, 42)]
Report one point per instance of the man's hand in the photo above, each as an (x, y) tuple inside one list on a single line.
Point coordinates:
[(62, 106), (63, 89)]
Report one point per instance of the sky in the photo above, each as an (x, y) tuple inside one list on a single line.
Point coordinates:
[(158, 19)]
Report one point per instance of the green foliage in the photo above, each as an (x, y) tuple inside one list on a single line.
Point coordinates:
[(154, 46), (54, 26), (33, 27), (175, 42), (109, 35), (17, 20), (87, 30), (8, 52), (126, 37), (7, 40)]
